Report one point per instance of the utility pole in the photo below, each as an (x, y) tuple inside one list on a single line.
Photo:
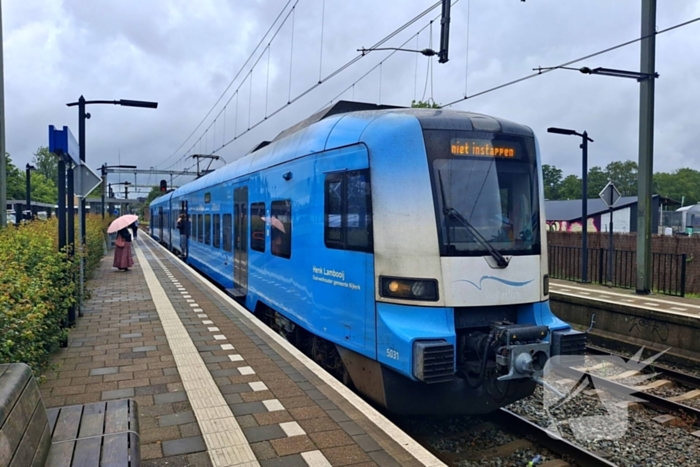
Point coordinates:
[(29, 169), (3, 162), (445, 32), (646, 147), (584, 208)]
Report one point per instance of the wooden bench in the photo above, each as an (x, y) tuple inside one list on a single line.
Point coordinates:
[(24, 426), (98, 434)]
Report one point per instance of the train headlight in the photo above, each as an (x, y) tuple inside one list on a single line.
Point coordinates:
[(409, 289)]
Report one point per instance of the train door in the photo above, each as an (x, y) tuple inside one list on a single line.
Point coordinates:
[(185, 232), (240, 242), (169, 225), (160, 223)]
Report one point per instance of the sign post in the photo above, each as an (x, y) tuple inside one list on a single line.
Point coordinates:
[(610, 195), (81, 181), (86, 180)]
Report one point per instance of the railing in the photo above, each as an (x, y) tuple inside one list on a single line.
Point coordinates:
[(668, 275)]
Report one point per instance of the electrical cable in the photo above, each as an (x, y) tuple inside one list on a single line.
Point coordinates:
[(291, 59), (334, 73), (427, 66), (291, 12), (595, 54), (323, 21), (262, 39), (466, 61), (385, 59)]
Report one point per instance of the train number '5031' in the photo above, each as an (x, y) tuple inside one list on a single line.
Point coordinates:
[(393, 354)]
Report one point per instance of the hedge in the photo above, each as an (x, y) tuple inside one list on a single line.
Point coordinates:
[(38, 285)]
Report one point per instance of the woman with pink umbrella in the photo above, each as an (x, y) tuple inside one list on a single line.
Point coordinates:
[(122, 250)]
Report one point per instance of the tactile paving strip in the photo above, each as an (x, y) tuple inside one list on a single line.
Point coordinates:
[(226, 443)]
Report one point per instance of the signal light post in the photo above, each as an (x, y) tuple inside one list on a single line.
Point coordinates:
[(163, 186), (29, 191), (104, 180)]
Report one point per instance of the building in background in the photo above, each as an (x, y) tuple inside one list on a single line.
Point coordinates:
[(685, 220), (565, 216)]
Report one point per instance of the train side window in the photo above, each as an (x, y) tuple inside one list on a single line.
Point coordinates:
[(200, 228), (348, 211), (216, 241), (281, 228), (335, 187), (257, 227), (193, 226), (207, 229), (227, 232)]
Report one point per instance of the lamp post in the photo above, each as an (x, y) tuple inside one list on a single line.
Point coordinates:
[(29, 169), (584, 197), (104, 180), (82, 116)]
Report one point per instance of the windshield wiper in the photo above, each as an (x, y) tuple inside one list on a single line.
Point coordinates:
[(501, 261)]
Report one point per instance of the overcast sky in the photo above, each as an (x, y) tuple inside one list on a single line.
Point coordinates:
[(183, 54)]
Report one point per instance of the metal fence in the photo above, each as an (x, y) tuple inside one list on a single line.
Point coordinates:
[(668, 274)]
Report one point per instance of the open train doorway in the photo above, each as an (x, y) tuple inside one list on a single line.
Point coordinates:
[(240, 242), (185, 230)]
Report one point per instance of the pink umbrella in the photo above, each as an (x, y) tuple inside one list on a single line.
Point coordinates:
[(276, 223), (121, 222)]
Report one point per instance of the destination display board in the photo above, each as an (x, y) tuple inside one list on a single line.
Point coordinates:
[(484, 148)]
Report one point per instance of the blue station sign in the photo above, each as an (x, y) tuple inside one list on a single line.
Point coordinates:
[(63, 142)]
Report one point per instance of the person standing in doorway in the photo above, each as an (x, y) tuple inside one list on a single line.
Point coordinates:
[(182, 228)]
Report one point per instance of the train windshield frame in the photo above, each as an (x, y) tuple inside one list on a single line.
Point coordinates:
[(488, 183)]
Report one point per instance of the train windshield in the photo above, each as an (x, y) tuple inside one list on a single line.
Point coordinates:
[(485, 188)]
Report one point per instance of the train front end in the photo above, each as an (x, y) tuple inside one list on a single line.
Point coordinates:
[(462, 310)]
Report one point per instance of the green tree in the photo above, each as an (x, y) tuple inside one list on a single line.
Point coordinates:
[(16, 188), (597, 179), (153, 194), (570, 188), (429, 104), (46, 163), (681, 185), (624, 176), (43, 190), (552, 178)]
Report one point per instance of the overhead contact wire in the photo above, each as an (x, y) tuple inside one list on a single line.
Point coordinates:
[(595, 54), (332, 74), (262, 39)]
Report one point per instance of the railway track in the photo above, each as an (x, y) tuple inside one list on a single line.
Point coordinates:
[(522, 436), (663, 376), (503, 438)]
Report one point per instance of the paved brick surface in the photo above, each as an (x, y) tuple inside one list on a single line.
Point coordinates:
[(119, 349)]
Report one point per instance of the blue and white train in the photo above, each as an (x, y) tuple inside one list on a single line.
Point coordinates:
[(402, 249)]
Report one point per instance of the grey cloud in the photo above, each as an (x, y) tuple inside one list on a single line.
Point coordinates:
[(183, 54)]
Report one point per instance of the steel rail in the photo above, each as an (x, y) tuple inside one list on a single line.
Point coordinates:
[(651, 400), (561, 446), (678, 376)]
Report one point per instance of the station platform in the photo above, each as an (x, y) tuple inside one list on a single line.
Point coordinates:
[(619, 319), (681, 306), (214, 386)]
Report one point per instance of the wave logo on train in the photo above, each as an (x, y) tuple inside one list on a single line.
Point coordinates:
[(604, 416)]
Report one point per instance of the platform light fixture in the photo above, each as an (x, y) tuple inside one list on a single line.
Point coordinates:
[(584, 194)]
